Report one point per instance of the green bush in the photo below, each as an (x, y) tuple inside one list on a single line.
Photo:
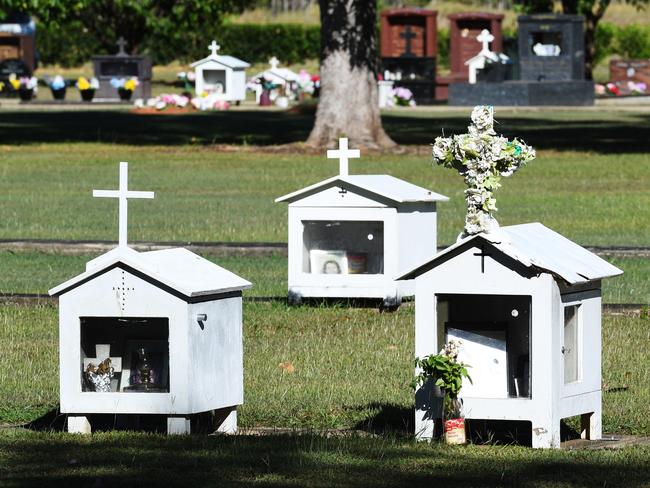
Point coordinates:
[(69, 45), (634, 41)]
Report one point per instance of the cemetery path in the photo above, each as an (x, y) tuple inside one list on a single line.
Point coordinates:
[(77, 247)]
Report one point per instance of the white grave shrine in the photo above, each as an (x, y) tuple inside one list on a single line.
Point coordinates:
[(524, 300), (222, 77), (283, 77), (479, 61), (169, 321), (349, 235)]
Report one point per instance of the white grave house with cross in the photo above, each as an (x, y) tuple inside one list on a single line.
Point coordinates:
[(484, 57), (349, 235), (221, 76), (156, 332), (524, 301), (283, 77)]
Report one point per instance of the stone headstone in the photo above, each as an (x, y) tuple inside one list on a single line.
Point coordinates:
[(408, 45), (122, 65), (18, 47), (623, 70), (551, 47)]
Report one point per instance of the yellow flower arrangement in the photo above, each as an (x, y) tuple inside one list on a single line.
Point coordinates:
[(131, 84), (14, 82), (83, 84)]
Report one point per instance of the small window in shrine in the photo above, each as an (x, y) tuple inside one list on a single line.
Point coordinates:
[(125, 354), (214, 80), (495, 336), (571, 348), (343, 247)]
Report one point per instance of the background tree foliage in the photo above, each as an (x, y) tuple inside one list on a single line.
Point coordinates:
[(175, 24)]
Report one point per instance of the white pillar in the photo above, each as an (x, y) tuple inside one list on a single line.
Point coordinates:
[(546, 433), (178, 425), (78, 424)]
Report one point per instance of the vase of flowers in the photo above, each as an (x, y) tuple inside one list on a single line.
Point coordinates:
[(87, 88), (98, 378), (25, 86), (57, 86), (403, 97), (446, 372), (125, 88)]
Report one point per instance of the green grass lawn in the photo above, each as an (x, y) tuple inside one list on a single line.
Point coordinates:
[(206, 194), (130, 459), (351, 367), (36, 272)]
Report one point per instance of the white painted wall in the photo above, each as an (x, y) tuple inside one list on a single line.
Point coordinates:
[(461, 274)]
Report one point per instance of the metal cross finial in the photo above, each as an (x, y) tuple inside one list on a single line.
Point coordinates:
[(214, 47), (121, 44), (343, 154), (485, 38), (123, 194), (274, 62)]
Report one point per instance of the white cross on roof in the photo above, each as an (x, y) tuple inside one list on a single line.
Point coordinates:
[(485, 38), (343, 154), (214, 47), (123, 194), (274, 62)]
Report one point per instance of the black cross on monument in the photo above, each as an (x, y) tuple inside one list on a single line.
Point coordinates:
[(407, 34), (483, 254), (121, 44)]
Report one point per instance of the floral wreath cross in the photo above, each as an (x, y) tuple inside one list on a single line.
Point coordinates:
[(481, 157)]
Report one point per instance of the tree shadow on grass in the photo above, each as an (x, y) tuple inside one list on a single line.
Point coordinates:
[(291, 460), (611, 134)]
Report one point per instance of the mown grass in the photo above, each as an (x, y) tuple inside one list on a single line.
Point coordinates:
[(316, 367), (36, 272), (204, 194), (132, 459)]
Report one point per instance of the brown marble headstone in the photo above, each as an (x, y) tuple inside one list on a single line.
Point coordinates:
[(464, 28), (637, 70), (408, 33)]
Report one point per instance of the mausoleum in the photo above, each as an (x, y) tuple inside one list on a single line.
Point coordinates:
[(155, 332), (350, 235)]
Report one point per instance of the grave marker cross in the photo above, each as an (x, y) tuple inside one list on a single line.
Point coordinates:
[(214, 47), (103, 351), (121, 44), (483, 255), (343, 154), (407, 34), (485, 38), (123, 194)]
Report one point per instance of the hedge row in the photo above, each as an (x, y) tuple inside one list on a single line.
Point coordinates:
[(71, 46)]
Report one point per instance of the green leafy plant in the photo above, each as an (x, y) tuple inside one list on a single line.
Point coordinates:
[(447, 373)]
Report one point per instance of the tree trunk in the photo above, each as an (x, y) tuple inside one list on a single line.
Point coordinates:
[(591, 23), (348, 104)]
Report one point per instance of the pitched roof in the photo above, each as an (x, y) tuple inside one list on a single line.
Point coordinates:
[(229, 61), (179, 269), (282, 73), (386, 186), (538, 247)]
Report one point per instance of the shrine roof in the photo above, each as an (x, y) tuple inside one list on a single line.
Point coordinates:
[(284, 73), (538, 247), (229, 61), (178, 269), (386, 186)]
